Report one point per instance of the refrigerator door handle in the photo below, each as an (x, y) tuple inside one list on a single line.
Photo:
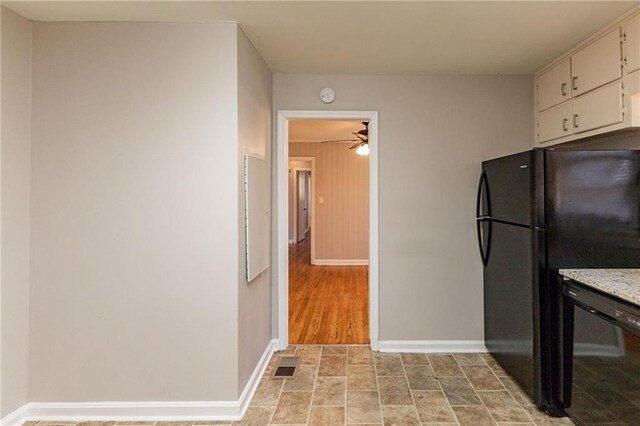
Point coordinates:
[(483, 187), (484, 251), (483, 217)]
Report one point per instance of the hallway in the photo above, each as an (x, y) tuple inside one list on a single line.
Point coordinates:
[(327, 304)]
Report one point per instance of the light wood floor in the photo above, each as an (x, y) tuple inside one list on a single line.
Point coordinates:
[(327, 304)]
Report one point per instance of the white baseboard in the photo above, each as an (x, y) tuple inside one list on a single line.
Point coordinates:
[(432, 346), (340, 262), (145, 411), (252, 385), (16, 417)]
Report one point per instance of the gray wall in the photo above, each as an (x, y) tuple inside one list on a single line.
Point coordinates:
[(15, 148), (254, 135), (434, 132), (134, 244)]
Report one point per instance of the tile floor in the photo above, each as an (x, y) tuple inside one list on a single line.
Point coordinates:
[(338, 385)]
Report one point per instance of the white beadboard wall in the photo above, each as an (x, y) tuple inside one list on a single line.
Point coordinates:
[(342, 179)]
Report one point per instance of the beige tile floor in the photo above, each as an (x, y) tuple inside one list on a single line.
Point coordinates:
[(338, 385)]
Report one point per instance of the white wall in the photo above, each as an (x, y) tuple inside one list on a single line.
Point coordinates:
[(254, 133), (134, 212), (15, 153), (434, 131)]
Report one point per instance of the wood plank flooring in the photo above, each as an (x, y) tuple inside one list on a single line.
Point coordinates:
[(327, 304)]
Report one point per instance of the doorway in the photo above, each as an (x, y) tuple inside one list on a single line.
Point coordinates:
[(300, 200), (327, 289), (303, 225)]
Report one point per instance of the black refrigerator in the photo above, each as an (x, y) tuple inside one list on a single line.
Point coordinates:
[(539, 211)]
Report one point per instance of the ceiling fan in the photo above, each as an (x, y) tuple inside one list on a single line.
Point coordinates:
[(361, 140)]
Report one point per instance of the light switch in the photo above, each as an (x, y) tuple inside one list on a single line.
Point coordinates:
[(321, 200)]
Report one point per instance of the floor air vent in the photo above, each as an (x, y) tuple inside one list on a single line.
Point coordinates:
[(287, 367)]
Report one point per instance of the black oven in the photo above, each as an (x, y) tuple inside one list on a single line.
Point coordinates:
[(600, 357)]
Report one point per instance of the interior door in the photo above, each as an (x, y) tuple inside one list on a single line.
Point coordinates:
[(301, 199)]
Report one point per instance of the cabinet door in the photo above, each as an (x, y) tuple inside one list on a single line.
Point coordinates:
[(555, 122), (597, 64), (632, 43), (600, 108), (554, 86)]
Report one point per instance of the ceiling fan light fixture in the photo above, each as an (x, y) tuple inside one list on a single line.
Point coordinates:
[(363, 149)]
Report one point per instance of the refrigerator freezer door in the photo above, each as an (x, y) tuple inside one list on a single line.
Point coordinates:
[(510, 188), (511, 304), (593, 207)]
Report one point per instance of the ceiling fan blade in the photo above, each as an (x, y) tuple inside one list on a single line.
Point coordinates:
[(363, 138), (355, 145)]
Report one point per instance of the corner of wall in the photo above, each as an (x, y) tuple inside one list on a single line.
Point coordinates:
[(254, 137), (15, 168)]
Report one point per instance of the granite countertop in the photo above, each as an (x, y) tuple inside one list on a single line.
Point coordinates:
[(622, 283)]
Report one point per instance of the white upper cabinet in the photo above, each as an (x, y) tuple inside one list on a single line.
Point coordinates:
[(598, 63), (600, 108), (603, 93), (555, 123), (554, 85), (632, 44)]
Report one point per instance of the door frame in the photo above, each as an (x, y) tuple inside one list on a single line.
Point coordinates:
[(312, 203), (282, 223)]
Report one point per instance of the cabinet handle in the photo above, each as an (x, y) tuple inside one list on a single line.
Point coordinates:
[(563, 89), (575, 121), (575, 82), (565, 121)]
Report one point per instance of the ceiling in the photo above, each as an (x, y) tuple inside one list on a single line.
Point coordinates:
[(374, 37), (320, 130)]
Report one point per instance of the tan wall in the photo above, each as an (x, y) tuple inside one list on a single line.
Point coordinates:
[(134, 212), (15, 148), (342, 220), (254, 133), (434, 131)]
